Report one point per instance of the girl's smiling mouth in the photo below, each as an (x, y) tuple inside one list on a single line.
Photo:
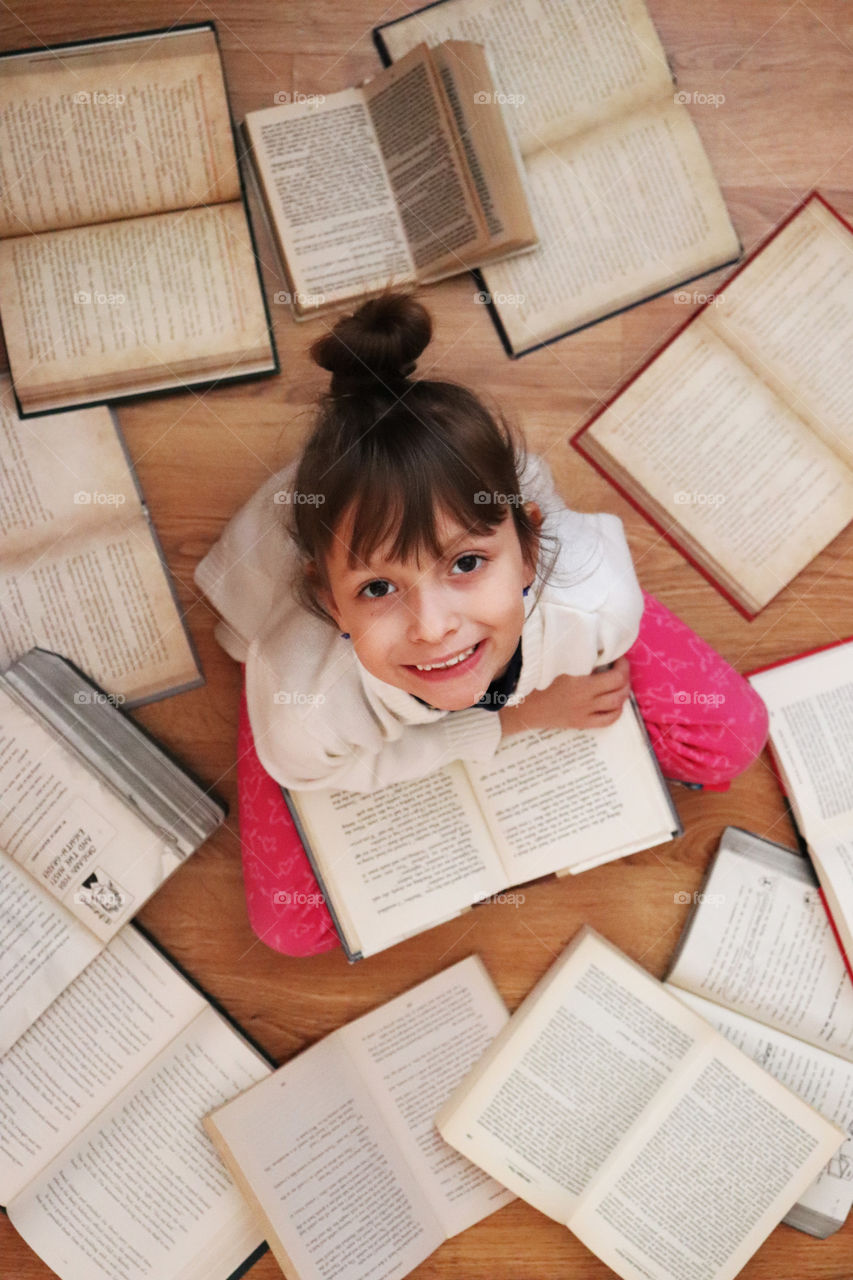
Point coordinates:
[(462, 661)]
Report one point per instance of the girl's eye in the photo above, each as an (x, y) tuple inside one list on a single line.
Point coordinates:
[(468, 563), (377, 589)]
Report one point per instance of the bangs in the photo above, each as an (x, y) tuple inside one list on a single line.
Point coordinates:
[(400, 512)]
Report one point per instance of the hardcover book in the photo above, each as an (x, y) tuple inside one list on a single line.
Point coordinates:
[(127, 263), (736, 439), (621, 190), (414, 854), (81, 569)]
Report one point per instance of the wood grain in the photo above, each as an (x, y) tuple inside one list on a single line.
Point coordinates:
[(785, 70)]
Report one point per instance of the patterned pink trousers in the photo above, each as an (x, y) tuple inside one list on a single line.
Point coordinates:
[(706, 725)]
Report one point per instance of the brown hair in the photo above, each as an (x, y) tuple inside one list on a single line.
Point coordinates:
[(392, 453)]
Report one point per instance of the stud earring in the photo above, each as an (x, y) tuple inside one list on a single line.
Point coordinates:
[(345, 635), (525, 590)]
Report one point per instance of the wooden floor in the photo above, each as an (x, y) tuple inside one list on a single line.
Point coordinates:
[(786, 70)]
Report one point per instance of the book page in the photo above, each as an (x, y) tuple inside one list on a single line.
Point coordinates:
[(595, 1042), (412, 1052), (813, 1075), (720, 460), (80, 571), (142, 1192), (705, 1178), (563, 67), (329, 198), (74, 835), (568, 798), (624, 212), (789, 314), (116, 130), (152, 302), (402, 858), (42, 948), (112, 1020), (325, 1174), (443, 223), (760, 942)]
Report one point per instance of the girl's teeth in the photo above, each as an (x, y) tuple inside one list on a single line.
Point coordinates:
[(441, 666)]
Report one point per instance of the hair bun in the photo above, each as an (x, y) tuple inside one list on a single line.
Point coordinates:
[(378, 344)]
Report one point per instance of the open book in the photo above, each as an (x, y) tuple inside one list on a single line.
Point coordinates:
[(94, 816), (126, 256), (736, 440), (105, 1169), (810, 701), (614, 1109), (759, 961), (81, 570), (408, 179), (416, 853), (337, 1151), (621, 191)]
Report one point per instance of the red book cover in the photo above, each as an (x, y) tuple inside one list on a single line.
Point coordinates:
[(577, 439)]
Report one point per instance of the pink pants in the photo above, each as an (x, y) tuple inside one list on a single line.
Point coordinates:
[(705, 722)]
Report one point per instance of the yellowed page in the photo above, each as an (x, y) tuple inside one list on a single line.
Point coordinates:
[(706, 1174), (155, 301), (565, 799), (141, 1192), (444, 226), (109, 1023), (623, 212), (334, 1192), (789, 315), (726, 465), (592, 1047), (112, 131), (403, 858), (80, 572), (411, 1053), (44, 948), (72, 833), (561, 67), (329, 198)]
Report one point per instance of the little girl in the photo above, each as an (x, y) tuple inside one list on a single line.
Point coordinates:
[(413, 590)]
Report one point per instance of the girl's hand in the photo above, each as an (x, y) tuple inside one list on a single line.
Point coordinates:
[(572, 702)]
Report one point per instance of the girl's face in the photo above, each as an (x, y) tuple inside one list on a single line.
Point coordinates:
[(442, 629)]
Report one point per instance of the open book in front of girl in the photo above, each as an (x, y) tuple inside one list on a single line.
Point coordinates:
[(397, 861)]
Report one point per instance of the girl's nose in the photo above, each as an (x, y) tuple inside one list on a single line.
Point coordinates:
[(432, 615)]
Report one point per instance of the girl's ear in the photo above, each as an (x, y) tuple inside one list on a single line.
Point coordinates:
[(319, 589), (534, 514)]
